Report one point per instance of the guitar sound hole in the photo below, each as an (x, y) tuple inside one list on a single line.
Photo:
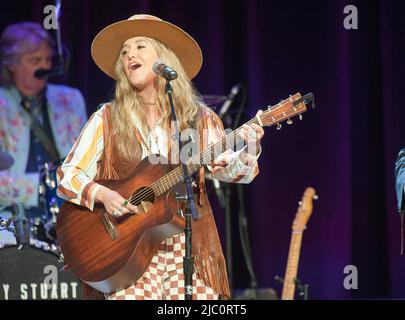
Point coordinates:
[(145, 194)]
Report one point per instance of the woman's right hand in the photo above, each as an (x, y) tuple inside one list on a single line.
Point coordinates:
[(114, 203)]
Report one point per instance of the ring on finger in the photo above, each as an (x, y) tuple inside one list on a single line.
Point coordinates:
[(124, 204)]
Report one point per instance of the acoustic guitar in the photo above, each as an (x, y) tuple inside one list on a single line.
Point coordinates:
[(298, 227), (111, 253)]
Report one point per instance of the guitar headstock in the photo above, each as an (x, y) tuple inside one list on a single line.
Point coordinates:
[(304, 210), (284, 110)]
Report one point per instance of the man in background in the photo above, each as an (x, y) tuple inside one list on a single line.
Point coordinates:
[(39, 121)]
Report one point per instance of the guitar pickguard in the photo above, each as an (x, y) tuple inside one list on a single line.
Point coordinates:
[(143, 198), (144, 206)]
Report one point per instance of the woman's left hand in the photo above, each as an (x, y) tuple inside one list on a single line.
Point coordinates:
[(252, 134)]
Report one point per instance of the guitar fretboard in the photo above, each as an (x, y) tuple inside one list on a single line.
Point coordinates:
[(292, 266), (274, 115), (205, 157)]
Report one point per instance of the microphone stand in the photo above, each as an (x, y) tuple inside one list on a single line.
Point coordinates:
[(228, 235), (188, 260), (227, 192), (21, 226), (60, 68), (252, 292)]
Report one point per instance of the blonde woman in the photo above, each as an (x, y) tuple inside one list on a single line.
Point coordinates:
[(135, 124)]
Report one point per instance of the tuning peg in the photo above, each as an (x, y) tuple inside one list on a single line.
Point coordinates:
[(316, 197), (300, 203), (300, 117), (279, 126), (289, 121)]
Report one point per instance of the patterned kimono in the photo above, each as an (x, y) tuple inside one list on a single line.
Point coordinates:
[(67, 113)]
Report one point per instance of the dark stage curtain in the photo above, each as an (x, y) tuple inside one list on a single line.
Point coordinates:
[(345, 148)]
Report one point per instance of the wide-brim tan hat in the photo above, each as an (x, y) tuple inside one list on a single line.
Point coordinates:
[(108, 42)]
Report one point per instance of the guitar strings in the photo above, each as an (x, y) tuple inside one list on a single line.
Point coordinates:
[(167, 178), (149, 192)]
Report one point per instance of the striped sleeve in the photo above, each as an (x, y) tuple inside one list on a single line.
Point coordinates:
[(228, 167), (76, 174)]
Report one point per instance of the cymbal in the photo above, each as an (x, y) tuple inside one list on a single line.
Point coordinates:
[(6, 161)]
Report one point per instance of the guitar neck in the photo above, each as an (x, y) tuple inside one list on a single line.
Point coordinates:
[(292, 266), (196, 162), (295, 105)]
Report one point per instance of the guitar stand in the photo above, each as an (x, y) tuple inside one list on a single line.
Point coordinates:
[(301, 288)]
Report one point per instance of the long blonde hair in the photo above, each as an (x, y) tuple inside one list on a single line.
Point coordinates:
[(127, 100)]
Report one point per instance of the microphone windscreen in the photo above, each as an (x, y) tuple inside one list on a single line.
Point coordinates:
[(156, 65), (41, 73)]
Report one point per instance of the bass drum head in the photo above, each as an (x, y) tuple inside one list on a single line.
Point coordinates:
[(33, 274)]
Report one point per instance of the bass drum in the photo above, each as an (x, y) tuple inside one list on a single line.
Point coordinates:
[(34, 274)]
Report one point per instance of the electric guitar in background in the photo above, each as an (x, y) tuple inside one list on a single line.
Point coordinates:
[(298, 227)]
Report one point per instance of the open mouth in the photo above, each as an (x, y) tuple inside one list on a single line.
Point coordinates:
[(134, 66)]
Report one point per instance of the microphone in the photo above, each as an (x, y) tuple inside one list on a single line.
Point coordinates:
[(164, 71), (228, 102), (48, 73)]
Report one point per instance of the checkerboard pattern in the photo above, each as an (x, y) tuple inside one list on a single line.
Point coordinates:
[(164, 278)]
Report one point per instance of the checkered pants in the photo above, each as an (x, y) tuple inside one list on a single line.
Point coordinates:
[(164, 277)]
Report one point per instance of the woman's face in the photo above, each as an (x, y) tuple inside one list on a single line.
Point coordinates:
[(137, 57)]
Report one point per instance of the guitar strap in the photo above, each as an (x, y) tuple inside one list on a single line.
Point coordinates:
[(39, 132)]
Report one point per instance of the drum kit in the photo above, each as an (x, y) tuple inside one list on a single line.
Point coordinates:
[(31, 263)]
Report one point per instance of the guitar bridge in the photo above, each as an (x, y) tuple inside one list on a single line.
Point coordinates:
[(109, 226)]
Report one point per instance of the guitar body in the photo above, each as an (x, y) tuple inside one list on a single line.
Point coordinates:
[(110, 253)]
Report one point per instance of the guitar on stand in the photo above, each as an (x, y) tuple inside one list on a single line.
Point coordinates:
[(298, 227)]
